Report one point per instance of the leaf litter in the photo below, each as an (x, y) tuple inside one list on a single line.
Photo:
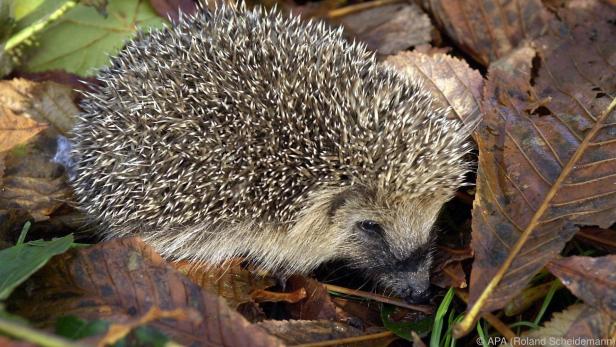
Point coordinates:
[(543, 78)]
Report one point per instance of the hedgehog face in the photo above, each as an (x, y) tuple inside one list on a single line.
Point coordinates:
[(390, 240)]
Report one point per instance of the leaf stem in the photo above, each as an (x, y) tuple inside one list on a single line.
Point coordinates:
[(31, 30), (29, 334), (380, 298), (343, 11), (467, 323), (348, 340)]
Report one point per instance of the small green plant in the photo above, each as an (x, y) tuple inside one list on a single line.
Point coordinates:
[(437, 326)]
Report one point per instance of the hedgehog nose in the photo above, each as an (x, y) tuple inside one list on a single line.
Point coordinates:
[(418, 296)]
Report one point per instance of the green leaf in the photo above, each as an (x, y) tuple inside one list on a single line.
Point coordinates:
[(19, 262), (22, 8), (148, 336), (403, 329), (82, 40), (75, 328)]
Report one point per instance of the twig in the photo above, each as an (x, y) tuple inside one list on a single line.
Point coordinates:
[(380, 298), (347, 340), (496, 323), (341, 12)]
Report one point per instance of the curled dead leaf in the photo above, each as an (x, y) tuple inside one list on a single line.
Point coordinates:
[(489, 29), (590, 279), (16, 130), (123, 279), (228, 280), (543, 170), (575, 326), (47, 102), (389, 29), (450, 79)]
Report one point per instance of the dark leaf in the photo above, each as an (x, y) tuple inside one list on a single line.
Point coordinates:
[(489, 29), (547, 153), (590, 279), (123, 280)]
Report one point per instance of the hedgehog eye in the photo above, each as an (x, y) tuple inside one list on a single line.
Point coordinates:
[(370, 226)]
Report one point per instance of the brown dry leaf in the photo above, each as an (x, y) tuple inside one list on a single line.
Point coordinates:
[(447, 269), (116, 332), (6, 342), (578, 322), (123, 279), (352, 310), (16, 130), (451, 275), (317, 305), (228, 280), (590, 279), (261, 295), (547, 156), (389, 29), (32, 181), (528, 297), (604, 239), (170, 9), (489, 29), (295, 332), (2, 166), (48, 102), (449, 78)]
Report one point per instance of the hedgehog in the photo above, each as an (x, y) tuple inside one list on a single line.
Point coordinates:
[(248, 133)]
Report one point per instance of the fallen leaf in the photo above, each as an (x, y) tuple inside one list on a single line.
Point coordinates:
[(119, 331), (367, 313), (47, 102), (229, 280), (528, 297), (296, 332), (601, 238), (171, 9), (261, 295), (33, 182), (447, 269), (122, 279), (590, 279), (543, 172), (451, 275), (488, 29), (389, 29), (68, 79), (317, 305), (7, 342), (16, 130), (450, 79), (578, 325), (31, 179)]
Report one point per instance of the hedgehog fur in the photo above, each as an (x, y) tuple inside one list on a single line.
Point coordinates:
[(247, 133)]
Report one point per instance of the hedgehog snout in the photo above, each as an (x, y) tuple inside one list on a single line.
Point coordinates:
[(413, 287)]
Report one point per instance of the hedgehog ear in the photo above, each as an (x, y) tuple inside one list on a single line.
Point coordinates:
[(339, 200)]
